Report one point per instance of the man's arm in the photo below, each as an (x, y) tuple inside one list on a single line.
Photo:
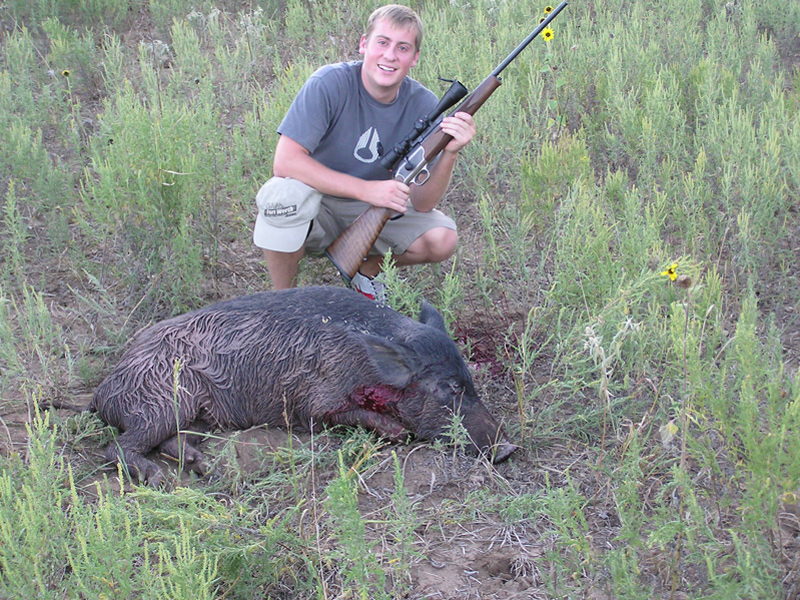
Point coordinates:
[(293, 160), (461, 127)]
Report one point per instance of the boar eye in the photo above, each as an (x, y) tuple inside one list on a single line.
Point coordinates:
[(457, 387)]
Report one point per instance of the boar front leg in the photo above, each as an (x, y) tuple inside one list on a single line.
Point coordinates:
[(374, 408), (382, 424)]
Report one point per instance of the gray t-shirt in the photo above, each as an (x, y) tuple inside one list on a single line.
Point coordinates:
[(346, 129)]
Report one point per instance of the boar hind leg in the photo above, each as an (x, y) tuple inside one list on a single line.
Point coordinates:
[(386, 426), (129, 451), (182, 448)]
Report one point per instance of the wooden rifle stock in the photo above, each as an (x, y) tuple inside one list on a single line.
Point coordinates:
[(351, 248)]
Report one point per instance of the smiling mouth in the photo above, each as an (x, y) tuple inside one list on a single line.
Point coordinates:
[(386, 69)]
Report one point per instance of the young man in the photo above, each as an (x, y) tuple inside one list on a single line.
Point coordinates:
[(327, 161)]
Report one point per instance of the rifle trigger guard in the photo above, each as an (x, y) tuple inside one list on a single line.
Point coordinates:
[(412, 166), (422, 176)]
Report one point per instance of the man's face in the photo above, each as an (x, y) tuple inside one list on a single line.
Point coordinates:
[(389, 53)]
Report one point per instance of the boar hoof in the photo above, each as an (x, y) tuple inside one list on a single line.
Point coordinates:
[(146, 471), (193, 459), (136, 465), (154, 477)]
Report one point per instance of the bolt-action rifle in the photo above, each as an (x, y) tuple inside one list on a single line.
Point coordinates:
[(409, 160)]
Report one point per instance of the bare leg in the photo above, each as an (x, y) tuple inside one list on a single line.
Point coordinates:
[(283, 267)]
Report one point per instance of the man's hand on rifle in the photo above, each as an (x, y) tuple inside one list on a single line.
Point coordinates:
[(394, 194), (461, 127), (389, 193)]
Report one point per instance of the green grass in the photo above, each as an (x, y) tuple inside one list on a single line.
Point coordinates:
[(658, 421)]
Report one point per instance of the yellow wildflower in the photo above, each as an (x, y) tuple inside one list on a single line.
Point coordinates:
[(671, 272)]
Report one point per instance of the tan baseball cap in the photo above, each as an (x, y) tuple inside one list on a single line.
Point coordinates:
[(286, 207)]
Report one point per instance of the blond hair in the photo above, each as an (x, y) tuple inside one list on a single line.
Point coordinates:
[(398, 15)]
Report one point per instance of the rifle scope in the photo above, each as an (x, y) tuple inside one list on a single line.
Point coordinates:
[(456, 92)]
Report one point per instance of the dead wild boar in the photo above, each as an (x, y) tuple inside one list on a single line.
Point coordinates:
[(295, 357)]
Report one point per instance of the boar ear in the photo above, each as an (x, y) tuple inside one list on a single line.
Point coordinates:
[(430, 316), (390, 360)]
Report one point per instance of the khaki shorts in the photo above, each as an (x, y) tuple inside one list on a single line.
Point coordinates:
[(335, 214)]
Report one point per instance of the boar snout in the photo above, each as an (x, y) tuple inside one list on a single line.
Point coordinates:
[(486, 436), (502, 451)]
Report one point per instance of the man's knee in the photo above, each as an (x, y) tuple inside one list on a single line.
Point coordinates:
[(437, 245)]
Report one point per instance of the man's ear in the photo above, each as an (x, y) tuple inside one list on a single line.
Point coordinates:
[(362, 45)]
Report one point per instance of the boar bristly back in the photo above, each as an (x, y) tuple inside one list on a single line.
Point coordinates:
[(288, 358)]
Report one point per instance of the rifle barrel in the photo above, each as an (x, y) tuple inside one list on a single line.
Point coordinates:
[(529, 39)]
